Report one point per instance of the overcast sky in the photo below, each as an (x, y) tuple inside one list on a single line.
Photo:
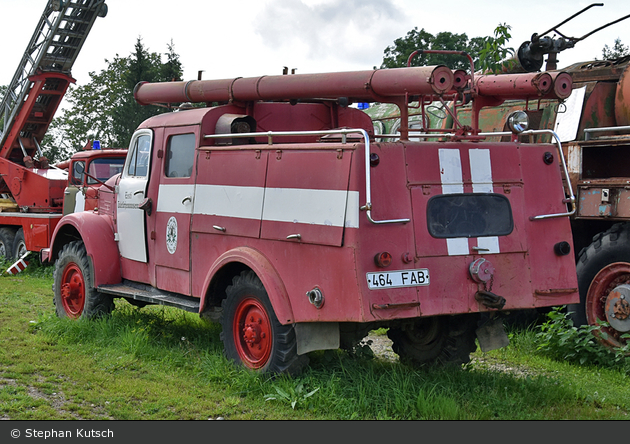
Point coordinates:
[(246, 38)]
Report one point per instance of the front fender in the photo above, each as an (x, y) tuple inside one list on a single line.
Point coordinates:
[(97, 233), (265, 271)]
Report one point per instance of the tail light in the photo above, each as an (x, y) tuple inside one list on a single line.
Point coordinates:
[(383, 259)]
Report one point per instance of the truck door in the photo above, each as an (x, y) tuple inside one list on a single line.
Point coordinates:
[(174, 209), (132, 189)]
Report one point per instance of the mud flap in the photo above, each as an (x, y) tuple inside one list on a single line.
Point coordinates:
[(316, 336), (491, 335)]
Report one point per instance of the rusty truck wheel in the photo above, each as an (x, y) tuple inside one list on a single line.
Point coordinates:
[(603, 271), (608, 299), (252, 335), (7, 237), (74, 294), (442, 340)]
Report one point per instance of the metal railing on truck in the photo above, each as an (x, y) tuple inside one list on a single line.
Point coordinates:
[(571, 195), (344, 140)]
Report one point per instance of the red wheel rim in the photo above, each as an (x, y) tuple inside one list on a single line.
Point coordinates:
[(603, 283), (252, 333), (73, 291)]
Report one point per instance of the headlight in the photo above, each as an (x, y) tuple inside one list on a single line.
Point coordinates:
[(518, 121)]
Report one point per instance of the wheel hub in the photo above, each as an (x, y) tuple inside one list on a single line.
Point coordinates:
[(73, 291), (424, 332), (617, 308), (252, 333)]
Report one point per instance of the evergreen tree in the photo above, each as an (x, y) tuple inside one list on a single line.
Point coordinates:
[(618, 50)]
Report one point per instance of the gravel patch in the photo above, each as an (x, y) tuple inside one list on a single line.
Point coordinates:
[(382, 347)]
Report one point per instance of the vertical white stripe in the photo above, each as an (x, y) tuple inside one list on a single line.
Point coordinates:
[(480, 171), (481, 174), (451, 171), (452, 182)]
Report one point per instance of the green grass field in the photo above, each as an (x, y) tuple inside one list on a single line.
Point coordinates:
[(159, 363)]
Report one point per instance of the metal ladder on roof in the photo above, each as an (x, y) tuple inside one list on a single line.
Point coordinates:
[(56, 42)]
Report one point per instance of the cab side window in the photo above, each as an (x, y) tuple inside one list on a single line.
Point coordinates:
[(77, 172), (139, 163), (180, 155)]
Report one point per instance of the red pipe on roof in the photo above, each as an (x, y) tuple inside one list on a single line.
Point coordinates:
[(382, 85)]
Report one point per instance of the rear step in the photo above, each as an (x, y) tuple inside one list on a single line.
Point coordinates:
[(151, 295)]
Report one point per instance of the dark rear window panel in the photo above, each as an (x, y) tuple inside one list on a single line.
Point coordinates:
[(469, 215)]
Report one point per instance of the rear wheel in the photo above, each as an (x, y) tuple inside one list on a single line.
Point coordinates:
[(74, 294), (252, 335), (603, 271), (7, 237), (19, 244), (435, 340)]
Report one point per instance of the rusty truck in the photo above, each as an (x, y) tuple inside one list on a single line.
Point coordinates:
[(593, 124), (273, 210)]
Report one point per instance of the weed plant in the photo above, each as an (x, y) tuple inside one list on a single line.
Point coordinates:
[(559, 338)]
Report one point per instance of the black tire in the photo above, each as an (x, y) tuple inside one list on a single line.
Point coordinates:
[(252, 335), (19, 244), (608, 258), (441, 340), (74, 294), (7, 237), (608, 247)]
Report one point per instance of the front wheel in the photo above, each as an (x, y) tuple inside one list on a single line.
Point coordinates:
[(74, 294), (252, 335)]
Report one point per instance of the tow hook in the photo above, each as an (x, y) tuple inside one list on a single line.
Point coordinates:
[(490, 299), (482, 272)]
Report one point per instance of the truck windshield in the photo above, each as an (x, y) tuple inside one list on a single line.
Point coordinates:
[(104, 168)]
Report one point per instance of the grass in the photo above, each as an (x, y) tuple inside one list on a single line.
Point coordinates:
[(159, 363)]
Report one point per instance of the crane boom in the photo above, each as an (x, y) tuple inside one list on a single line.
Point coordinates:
[(43, 74)]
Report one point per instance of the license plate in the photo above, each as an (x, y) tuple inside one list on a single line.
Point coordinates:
[(397, 279)]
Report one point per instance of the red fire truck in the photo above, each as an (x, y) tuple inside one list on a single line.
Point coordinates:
[(593, 124), (32, 191), (277, 214)]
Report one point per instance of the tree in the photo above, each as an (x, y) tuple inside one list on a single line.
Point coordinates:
[(494, 54), (618, 50), (485, 51), (104, 109)]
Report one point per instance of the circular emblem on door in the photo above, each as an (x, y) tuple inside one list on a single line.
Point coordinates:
[(171, 235)]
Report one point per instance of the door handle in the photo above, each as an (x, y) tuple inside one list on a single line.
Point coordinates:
[(186, 199), (138, 192), (146, 206)]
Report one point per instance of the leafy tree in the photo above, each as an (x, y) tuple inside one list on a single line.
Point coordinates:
[(618, 50), (485, 51), (493, 55), (104, 109)]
